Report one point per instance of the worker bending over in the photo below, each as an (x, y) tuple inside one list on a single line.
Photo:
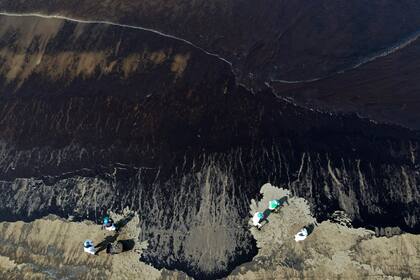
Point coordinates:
[(108, 224), (88, 247), (257, 219)]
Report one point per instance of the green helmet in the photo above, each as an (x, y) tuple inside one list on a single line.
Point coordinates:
[(273, 204)]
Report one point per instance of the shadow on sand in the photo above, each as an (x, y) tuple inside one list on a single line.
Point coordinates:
[(120, 246), (104, 244), (283, 200), (121, 223), (310, 228), (110, 243)]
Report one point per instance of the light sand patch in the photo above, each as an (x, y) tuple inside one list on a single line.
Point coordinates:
[(158, 57), (67, 66), (398, 253), (6, 263), (332, 251), (52, 248), (133, 63), (285, 224), (179, 64)]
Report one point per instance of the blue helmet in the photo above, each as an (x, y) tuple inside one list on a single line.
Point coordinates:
[(260, 215), (106, 220)]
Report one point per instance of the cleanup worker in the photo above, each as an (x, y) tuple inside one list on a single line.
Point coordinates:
[(274, 205), (257, 218), (301, 235), (88, 247), (108, 224)]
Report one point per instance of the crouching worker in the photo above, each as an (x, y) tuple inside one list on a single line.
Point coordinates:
[(301, 235), (108, 224), (274, 205), (88, 247), (257, 219)]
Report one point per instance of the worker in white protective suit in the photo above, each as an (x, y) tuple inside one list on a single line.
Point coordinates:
[(301, 235), (108, 224), (88, 247), (257, 219)]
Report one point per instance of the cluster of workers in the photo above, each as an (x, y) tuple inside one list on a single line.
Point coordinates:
[(259, 217), (273, 206), (107, 224)]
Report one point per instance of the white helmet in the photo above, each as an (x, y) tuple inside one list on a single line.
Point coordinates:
[(88, 243)]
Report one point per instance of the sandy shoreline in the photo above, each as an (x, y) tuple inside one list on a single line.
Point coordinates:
[(51, 248)]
